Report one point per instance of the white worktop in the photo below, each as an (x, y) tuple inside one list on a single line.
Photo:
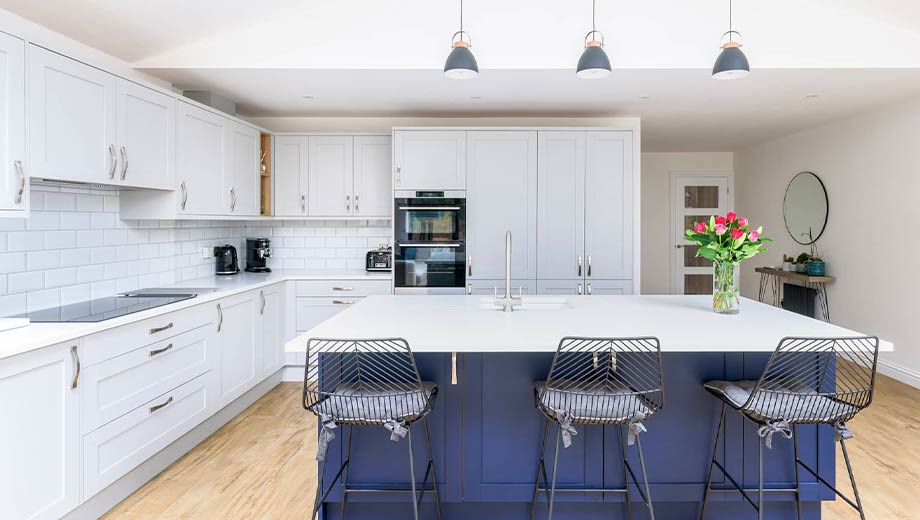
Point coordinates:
[(467, 324), (40, 335)]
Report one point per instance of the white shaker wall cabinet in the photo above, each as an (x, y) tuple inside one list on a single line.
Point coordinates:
[(14, 183), (202, 159), (291, 165), (560, 206), (241, 178), (331, 178), (71, 120), (608, 205), (501, 182), (240, 356), (40, 433), (373, 171), (145, 136), (429, 159)]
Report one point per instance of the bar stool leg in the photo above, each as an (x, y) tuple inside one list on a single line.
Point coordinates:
[(625, 472), (648, 495), (345, 473), (846, 457), (760, 480), (712, 462), (434, 477), (319, 489), (412, 476), (552, 493), (798, 480), (541, 469)]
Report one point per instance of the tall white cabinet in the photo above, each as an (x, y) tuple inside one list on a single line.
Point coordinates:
[(14, 183)]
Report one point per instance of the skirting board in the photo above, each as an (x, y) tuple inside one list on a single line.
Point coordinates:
[(109, 497), (895, 371), (292, 373)]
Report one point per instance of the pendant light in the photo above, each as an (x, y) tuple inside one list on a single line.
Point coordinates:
[(593, 63), (731, 63), (461, 64)]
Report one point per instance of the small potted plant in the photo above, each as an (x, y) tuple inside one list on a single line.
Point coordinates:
[(787, 263), (816, 267), (801, 263)]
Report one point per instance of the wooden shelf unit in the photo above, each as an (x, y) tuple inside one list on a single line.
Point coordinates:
[(265, 176), (789, 275)]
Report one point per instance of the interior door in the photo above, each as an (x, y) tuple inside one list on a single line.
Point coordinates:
[(145, 128), (202, 158), (560, 205), (608, 205), (71, 120), (14, 185), (244, 170), (331, 177), (430, 159), (290, 175), (501, 181), (696, 197), (373, 167)]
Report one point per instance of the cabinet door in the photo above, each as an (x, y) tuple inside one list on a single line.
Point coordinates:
[(501, 181), (497, 287), (40, 436), (240, 359), (271, 328), (609, 287), (430, 159), (609, 205), (373, 167), (71, 120), (145, 128), (242, 177), (572, 287), (14, 186), (560, 205), (202, 157), (290, 175), (331, 178)]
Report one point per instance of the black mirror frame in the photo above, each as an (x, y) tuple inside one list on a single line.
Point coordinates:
[(826, 212)]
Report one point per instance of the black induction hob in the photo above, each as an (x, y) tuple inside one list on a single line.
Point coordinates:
[(101, 309)]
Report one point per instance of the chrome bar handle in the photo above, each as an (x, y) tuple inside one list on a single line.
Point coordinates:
[(356, 205), (579, 289), (342, 302), (124, 160), (184, 195), (22, 181), (114, 161), (469, 262), (398, 172), (469, 288), (161, 405), (579, 265), (232, 199), (161, 329), (588, 289), (76, 374), (346, 289), (160, 350), (303, 203), (453, 368), (220, 317), (347, 202), (262, 308), (589, 265)]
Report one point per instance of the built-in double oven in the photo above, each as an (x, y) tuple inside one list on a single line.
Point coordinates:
[(429, 253)]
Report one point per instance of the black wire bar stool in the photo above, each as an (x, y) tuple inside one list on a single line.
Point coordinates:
[(806, 381), (603, 381), (367, 382)]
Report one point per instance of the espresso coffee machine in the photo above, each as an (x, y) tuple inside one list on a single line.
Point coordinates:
[(258, 251)]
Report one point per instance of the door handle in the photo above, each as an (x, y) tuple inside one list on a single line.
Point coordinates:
[(579, 265), (22, 181), (342, 302), (469, 288), (681, 246), (161, 329), (346, 289), (453, 368), (114, 161), (220, 317), (232, 199), (161, 405), (160, 350), (184, 195), (398, 172), (76, 373), (356, 204), (347, 202), (589, 265), (579, 289), (470, 266), (588, 289), (303, 203), (262, 308), (124, 160)]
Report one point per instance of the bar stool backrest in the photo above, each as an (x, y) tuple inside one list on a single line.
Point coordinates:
[(811, 379), (583, 369), (357, 380)]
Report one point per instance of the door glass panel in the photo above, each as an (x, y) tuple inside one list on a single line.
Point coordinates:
[(691, 260), (697, 284), (701, 196)]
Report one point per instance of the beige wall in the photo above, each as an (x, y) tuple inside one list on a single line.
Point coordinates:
[(870, 165), (657, 243)]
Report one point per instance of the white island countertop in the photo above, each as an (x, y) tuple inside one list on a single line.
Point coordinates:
[(470, 324)]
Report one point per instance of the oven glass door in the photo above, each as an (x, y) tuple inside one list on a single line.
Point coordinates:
[(430, 265), (430, 220)]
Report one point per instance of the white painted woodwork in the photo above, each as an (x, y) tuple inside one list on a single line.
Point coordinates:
[(570, 287), (40, 433), (560, 205), (608, 287), (501, 182), (270, 328), (497, 287), (342, 288), (242, 174), (71, 119), (373, 167), (145, 140), (240, 359), (14, 183), (290, 175), (313, 311), (609, 205), (430, 159), (331, 180), (121, 445), (680, 182), (202, 159)]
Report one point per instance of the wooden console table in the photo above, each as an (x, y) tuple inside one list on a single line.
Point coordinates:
[(774, 279)]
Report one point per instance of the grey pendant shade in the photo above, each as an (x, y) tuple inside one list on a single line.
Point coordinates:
[(461, 64), (594, 62), (731, 63)]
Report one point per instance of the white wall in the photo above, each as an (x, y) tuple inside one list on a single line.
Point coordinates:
[(869, 165), (657, 242)]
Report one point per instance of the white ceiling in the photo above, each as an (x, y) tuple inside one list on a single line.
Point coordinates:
[(383, 58)]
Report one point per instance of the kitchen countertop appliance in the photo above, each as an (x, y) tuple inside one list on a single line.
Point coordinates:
[(380, 259), (226, 261), (429, 250), (258, 251), (102, 309)]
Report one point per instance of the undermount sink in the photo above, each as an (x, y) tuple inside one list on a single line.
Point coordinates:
[(532, 303)]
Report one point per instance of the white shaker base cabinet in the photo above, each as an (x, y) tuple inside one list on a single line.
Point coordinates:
[(40, 433), (14, 184), (271, 328), (240, 359)]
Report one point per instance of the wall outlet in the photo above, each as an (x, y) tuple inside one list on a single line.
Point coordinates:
[(207, 252)]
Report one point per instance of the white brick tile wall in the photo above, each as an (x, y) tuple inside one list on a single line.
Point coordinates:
[(74, 248)]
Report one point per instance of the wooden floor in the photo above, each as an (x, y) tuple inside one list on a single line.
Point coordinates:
[(261, 464)]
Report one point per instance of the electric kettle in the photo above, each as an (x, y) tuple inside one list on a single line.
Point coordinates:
[(226, 260)]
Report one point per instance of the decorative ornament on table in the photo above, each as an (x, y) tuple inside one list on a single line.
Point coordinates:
[(726, 241)]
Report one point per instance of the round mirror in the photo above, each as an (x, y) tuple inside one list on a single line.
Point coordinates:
[(805, 208)]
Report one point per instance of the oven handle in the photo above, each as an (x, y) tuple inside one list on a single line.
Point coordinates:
[(429, 244), (429, 208)]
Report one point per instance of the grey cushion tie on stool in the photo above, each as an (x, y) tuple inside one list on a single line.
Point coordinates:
[(635, 428), (565, 423), (397, 429), (767, 430), (326, 436)]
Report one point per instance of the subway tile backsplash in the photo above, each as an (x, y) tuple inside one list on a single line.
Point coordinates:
[(73, 247)]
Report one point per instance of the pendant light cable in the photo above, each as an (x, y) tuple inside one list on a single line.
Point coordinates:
[(593, 14)]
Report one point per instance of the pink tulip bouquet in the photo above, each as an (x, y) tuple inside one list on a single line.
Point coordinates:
[(726, 241)]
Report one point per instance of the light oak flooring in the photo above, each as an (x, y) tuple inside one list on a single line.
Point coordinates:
[(260, 465)]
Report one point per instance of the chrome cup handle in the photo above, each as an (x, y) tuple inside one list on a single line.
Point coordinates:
[(22, 181), (124, 160)]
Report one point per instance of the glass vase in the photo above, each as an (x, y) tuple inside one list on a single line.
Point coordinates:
[(726, 298)]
